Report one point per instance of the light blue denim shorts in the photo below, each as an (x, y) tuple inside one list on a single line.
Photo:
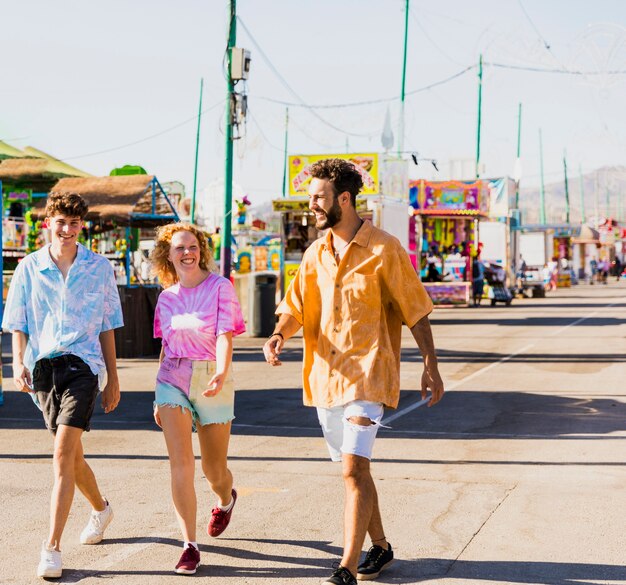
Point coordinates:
[(205, 410), (343, 436)]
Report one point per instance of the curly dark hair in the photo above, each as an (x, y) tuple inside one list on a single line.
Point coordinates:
[(68, 204), (342, 174)]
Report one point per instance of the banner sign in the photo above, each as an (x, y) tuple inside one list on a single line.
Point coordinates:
[(449, 197), (300, 175)]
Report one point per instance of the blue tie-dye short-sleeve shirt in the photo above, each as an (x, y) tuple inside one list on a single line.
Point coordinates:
[(63, 316)]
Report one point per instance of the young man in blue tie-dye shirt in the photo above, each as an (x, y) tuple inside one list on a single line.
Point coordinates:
[(62, 308)]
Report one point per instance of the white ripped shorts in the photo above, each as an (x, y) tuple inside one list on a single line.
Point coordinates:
[(343, 436)]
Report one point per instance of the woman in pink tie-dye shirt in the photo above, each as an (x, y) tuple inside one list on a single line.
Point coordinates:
[(197, 316)]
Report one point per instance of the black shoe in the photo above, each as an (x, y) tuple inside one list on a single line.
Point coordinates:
[(340, 576), (376, 560)]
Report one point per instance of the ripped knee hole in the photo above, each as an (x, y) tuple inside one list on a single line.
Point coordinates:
[(361, 421)]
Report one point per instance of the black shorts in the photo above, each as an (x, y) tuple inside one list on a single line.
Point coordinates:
[(66, 389)]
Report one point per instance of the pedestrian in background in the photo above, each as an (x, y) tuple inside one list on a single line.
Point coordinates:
[(478, 280), (62, 308), (353, 291), (593, 265), (197, 316)]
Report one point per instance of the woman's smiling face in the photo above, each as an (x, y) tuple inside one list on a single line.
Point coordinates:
[(185, 253)]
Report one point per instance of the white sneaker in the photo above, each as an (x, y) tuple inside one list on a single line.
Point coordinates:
[(50, 563), (94, 531)]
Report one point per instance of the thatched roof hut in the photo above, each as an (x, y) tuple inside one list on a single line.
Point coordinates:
[(8, 151), (36, 173), (136, 200)]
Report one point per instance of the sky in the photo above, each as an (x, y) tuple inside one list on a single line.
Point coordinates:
[(103, 84)]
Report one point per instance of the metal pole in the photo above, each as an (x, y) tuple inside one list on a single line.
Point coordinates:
[(480, 107), (583, 219), (596, 204), (286, 158), (228, 170), (402, 93), (566, 188), (542, 192), (195, 167), (519, 137)]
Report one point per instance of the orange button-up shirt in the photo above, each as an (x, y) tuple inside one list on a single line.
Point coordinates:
[(352, 315)]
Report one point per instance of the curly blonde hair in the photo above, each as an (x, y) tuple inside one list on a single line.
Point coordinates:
[(161, 264)]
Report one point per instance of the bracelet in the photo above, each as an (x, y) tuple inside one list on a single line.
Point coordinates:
[(279, 335)]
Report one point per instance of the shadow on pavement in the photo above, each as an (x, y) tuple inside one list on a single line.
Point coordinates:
[(534, 321), (548, 573), (463, 415), (465, 356)]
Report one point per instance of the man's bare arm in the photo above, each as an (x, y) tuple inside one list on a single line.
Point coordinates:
[(21, 375), (431, 378), (111, 392), (286, 327)]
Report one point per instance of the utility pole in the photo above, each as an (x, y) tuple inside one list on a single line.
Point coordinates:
[(582, 195), (402, 93), (596, 198), (566, 188), (195, 167), (542, 192), (480, 109), (228, 169), (518, 169), (285, 160)]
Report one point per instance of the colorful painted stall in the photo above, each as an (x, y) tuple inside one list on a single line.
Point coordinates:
[(448, 214), (383, 201)]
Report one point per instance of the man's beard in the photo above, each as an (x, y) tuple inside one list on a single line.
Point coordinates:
[(332, 217)]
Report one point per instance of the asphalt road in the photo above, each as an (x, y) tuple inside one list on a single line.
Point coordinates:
[(517, 476)]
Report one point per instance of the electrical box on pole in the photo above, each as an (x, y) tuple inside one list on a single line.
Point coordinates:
[(239, 64)]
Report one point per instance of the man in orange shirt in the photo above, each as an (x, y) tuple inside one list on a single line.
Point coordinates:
[(352, 293)]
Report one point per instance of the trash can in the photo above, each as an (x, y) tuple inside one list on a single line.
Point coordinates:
[(264, 300)]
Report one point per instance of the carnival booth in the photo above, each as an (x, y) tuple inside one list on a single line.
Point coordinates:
[(123, 212), (586, 245), (562, 244), (448, 214), (382, 200)]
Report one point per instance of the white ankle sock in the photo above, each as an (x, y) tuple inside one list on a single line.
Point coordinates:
[(186, 545), (227, 508)]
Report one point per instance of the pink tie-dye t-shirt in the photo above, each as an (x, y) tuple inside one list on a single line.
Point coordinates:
[(190, 319)]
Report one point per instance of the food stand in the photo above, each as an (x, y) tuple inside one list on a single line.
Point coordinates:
[(382, 201), (585, 249), (563, 252), (448, 214), (121, 210)]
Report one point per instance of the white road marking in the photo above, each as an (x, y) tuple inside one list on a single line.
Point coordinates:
[(485, 369)]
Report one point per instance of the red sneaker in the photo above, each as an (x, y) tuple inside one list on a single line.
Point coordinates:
[(219, 519), (189, 561)]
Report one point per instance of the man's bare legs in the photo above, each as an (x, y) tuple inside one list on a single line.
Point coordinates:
[(361, 513), (86, 480), (66, 446)]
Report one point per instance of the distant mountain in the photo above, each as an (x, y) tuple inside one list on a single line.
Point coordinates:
[(604, 193)]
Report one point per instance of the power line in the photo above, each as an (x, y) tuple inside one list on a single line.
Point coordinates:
[(170, 129), (429, 38), (548, 70), (262, 134), (301, 102), (369, 102), (545, 43)]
